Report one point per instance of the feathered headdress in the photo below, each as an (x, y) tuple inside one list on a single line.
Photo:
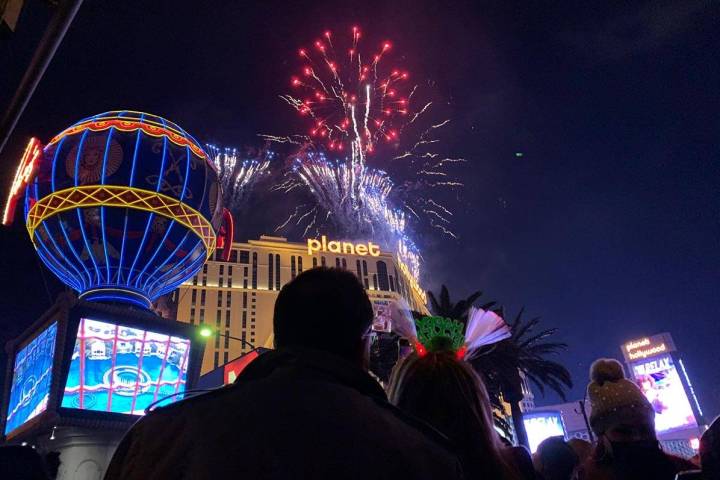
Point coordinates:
[(433, 333)]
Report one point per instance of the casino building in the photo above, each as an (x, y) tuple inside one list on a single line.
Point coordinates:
[(236, 297)]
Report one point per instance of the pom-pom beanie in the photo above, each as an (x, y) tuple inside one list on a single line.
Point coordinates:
[(615, 399)]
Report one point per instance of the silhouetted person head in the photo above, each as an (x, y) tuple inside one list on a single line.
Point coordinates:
[(450, 396), (21, 463), (324, 309), (582, 448), (710, 450), (555, 459)]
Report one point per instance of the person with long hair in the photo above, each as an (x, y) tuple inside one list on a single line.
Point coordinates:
[(449, 395)]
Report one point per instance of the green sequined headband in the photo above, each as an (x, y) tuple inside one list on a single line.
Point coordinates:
[(440, 333)]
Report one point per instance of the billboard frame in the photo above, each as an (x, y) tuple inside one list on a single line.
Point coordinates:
[(67, 311)]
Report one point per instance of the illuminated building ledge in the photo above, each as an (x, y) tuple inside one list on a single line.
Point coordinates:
[(121, 196)]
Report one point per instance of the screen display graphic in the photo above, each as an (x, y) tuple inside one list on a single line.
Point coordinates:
[(542, 425), (122, 369), (659, 380), (32, 375), (382, 310)]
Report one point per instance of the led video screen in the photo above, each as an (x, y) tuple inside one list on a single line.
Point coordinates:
[(542, 425), (32, 375), (382, 310), (660, 381), (120, 369)]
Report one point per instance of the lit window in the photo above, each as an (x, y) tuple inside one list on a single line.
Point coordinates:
[(277, 272), (254, 270), (382, 276)]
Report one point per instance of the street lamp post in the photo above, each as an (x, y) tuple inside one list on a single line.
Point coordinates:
[(208, 332)]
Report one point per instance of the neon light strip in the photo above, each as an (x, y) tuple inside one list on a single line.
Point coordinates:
[(77, 280), (24, 171), (112, 369), (81, 403), (130, 183), (60, 223), (183, 367), (150, 218), (59, 255), (102, 209), (127, 125), (78, 211), (167, 232), (148, 286), (139, 367), (692, 390), (121, 196), (162, 369), (174, 282), (170, 283)]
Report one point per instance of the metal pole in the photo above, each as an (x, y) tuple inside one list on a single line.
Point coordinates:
[(44, 53), (238, 339), (587, 423)]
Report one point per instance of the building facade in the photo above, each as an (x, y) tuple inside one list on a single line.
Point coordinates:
[(236, 298)]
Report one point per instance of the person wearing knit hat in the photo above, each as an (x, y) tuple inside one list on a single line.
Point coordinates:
[(616, 400), (624, 422)]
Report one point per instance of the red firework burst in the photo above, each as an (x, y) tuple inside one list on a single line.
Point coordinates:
[(352, 99)]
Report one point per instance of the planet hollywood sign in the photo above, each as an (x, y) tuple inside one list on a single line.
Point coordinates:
[(647, 347), (333, 246), (349, 248)]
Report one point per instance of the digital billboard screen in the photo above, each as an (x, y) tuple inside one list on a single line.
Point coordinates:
[(659, 380), (115, 368), (32, 375), (382, 311), (542, 425)]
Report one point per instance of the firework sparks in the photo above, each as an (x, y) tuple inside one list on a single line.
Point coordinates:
[(239, 173), (353, 100), (358, 107), (357, 202)]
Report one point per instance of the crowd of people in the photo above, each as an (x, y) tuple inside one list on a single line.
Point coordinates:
[(309, 409)]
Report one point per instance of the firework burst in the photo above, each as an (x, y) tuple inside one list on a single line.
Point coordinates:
[(239, 172), (360, 108), (352, 100), (356, 200)]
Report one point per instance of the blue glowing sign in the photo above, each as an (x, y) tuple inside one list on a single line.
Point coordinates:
[(120, 369), (32, 375)]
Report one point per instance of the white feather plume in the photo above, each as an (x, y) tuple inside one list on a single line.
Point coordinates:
[(403, 323), (484, 328)]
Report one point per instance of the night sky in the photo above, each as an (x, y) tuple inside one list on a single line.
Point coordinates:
[(606, 226)]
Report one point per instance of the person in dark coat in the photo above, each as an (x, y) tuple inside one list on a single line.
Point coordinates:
[(308, 409)]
